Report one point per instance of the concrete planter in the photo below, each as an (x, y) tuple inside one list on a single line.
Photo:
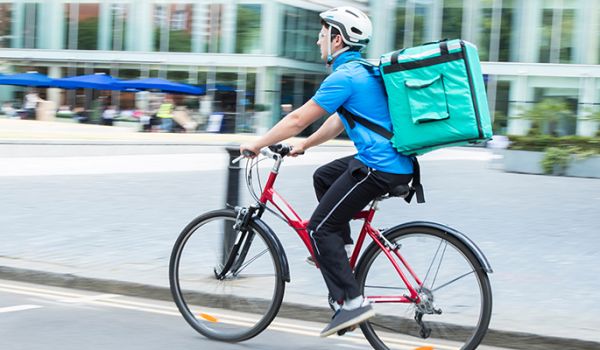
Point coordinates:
[(529, 162)]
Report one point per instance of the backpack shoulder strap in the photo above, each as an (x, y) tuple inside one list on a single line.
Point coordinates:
[(353, 119), (416, 187)]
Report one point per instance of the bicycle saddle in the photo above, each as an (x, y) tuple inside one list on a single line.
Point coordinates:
[(399, 191)]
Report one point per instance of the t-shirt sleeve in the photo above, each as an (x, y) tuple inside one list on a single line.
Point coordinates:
[(334, 91)]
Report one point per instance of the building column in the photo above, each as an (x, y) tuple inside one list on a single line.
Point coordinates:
[(140, 28), (587, 22), (268, 94), (471, 20), (383, 17), (519, 95), (228, 27), (199, 27), (437, 14), (105, 27), (271, 23), (6, 91), (587, 96), (50, 30), (18, 12), (53, 94), (526, 32)]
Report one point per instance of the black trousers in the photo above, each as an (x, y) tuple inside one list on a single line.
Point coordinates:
[(343, 187)]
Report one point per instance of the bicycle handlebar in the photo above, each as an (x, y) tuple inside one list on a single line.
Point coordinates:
[(279, 149)]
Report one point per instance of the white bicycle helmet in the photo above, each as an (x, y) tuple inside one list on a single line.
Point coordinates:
[(354, 26)]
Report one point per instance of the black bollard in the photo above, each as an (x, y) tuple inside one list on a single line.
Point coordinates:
[(232, 198)]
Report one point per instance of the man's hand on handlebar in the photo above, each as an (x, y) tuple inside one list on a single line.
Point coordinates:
[(282, 149), (249, 150), (297, 149)]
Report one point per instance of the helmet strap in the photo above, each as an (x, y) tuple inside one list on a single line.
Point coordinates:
[(332, 56), (329, 55)]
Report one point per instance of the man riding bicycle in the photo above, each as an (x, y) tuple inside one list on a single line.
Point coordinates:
[(344, 186)]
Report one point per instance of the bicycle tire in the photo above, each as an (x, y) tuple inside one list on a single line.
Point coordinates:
[(184, 297), (403, 325)]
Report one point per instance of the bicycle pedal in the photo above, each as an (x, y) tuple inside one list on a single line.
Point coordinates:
[(345, 330)]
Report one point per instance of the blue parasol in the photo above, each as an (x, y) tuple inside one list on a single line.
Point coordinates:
[(161, 85), (97, 81), (27, 79)]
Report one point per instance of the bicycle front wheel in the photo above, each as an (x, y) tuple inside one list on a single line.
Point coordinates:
[(455, 294), (229, 303)]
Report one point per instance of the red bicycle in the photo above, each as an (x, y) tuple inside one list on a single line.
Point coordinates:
[(428, 282)]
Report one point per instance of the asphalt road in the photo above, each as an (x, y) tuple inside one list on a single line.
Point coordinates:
[(40, 317), (114, 213)]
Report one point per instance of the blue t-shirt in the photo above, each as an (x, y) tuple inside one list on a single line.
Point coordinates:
[(360, 91)]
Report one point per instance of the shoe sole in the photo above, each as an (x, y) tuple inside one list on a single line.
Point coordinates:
[(362, 318)]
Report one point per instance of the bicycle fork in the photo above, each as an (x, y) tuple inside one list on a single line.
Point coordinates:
[(236, 243)]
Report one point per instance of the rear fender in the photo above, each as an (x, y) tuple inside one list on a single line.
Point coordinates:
[(485, 265)]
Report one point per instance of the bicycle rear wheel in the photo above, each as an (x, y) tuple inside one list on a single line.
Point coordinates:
[(455, 292), (234, 305)]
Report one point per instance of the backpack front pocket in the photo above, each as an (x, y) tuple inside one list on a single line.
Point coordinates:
[(427, 100)]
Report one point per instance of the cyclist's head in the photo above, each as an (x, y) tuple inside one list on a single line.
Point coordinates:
[(350, 25)]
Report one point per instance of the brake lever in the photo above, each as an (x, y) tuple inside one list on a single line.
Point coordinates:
[(245, 154)]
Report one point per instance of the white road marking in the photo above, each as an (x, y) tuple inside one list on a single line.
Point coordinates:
[(351, 346), (18, 308), (88, 298), (112, 300)]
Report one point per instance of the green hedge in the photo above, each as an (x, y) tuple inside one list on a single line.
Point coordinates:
[(542, 142)]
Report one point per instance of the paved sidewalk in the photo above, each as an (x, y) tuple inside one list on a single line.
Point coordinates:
[(24, 131), (540, 239)]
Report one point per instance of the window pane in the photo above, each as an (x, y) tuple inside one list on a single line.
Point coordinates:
[(173, 27), (501, 110), (485, 35), (506, 26), (300, 32), (180, 28), (566, 36), (452, 19), (505, 31), (214, 27), (87, 34), (248, 29), (546, 35), (421, 13), (5, 25), (68, 27), (30, 23), (400, 24), (119, 16)]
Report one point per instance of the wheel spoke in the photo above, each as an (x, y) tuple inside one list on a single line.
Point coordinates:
[(455, 316), (432, 261), (251, 260), (452, 281), (254, 291), (439, 265)]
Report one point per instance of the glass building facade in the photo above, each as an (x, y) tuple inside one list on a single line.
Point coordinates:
[(257, 55)]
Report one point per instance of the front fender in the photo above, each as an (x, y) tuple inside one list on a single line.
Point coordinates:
[(278, 248), (452, 232)]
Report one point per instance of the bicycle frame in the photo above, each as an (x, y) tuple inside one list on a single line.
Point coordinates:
[(270, 195)]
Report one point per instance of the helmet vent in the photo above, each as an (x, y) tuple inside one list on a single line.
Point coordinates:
[(356, 30), (352, 13)]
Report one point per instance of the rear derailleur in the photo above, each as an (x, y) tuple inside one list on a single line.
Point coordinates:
[(425, 307)]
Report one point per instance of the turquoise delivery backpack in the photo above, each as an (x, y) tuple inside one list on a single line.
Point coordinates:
[(436, 96)]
